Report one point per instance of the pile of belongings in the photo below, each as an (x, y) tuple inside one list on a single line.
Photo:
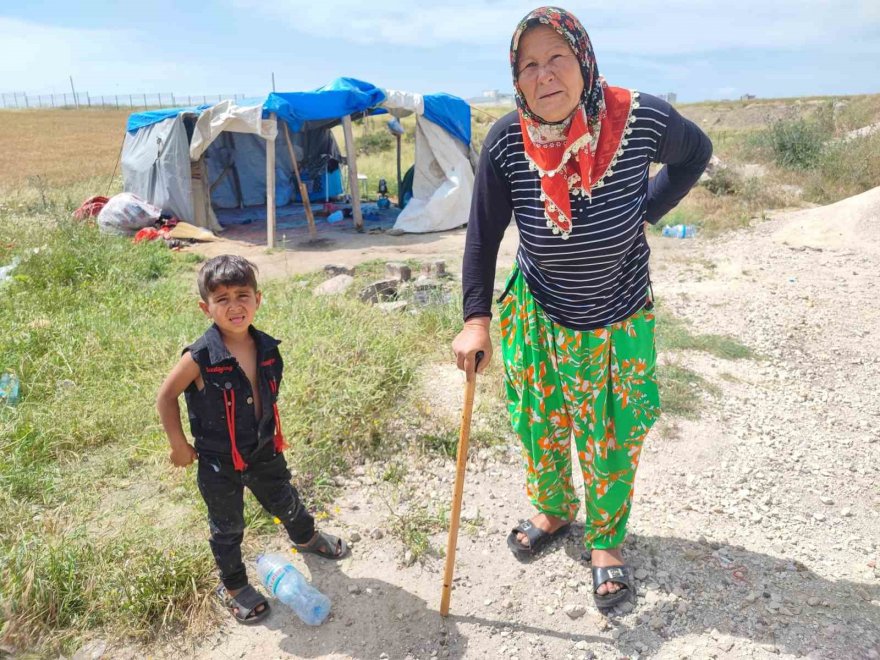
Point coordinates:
[(126, 214)]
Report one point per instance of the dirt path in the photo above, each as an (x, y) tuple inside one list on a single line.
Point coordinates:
[(755, 530)]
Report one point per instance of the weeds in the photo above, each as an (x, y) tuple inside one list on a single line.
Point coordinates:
[(414, 528)]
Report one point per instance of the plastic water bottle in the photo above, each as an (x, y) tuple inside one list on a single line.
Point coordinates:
[(9, 389), (288, 585), (680, 231)]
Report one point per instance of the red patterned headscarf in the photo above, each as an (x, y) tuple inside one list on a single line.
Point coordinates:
[(565, 153)]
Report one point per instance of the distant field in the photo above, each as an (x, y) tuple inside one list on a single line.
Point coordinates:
[(49, 149), (61, 146)]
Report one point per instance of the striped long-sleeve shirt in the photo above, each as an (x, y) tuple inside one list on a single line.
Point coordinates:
[(600, 274)]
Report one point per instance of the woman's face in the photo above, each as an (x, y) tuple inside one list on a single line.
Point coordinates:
[(548, 74)]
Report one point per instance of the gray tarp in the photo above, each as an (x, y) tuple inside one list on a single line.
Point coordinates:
[(156, 167)]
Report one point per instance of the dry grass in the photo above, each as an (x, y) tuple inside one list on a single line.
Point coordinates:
[(60, 146)]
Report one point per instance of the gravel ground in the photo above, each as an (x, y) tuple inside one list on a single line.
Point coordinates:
[(756, 528)]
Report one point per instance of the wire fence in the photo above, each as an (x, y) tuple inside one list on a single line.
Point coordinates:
[(24, 101)]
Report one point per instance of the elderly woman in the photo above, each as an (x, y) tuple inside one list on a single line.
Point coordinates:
[(571, 166)]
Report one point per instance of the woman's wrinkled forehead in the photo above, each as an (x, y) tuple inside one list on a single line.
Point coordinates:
[(552, 35)]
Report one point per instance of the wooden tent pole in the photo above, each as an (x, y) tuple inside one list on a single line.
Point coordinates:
[(270, 187), (351, 151), (303, 192), (206, 190), (399, 182)]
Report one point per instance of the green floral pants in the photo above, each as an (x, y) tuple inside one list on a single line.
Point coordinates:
[(597, 386)]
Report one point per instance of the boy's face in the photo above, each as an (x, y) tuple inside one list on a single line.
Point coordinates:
[(232, 308)]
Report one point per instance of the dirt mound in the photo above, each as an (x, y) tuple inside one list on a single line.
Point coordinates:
[(852, 223)]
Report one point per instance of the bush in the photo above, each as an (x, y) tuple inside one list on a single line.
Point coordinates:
[(374, 143), (724, 181), (797, 144), (846, 168)]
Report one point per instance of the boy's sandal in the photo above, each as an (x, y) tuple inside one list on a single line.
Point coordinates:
[(619, 575), (324, 545), (537, 537), (243, 605)]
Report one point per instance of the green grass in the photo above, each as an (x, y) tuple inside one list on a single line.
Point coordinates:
[(673, 334), (413, 528), (681, 390), (680, 387), (97, 531)]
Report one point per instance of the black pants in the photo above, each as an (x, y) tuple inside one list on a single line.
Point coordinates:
[(222, 488)]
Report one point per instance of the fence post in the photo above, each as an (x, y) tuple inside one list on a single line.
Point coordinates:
[(145, 101), (26, 104), (15, 98), (53, 99), (117, 101), (173, 103), (88, 99)]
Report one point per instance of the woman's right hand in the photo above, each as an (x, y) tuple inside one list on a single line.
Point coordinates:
[(473, 338)]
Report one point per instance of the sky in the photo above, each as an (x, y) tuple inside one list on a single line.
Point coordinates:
[(699, 49)]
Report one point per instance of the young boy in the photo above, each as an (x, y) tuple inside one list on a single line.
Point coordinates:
[(230, 378)]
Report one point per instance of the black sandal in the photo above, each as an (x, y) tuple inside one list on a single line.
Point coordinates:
[(324, 545), (243, 605), (537, 537), (621, 575)]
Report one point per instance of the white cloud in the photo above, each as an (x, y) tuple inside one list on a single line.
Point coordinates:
[(634, 27), (39, 58)]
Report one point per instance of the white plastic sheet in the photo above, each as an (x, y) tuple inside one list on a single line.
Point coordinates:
[(127, 213)]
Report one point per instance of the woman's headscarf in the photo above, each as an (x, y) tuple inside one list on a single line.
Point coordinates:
[(564, 153)]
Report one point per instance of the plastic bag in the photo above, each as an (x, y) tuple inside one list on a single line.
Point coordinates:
[(126, 213)]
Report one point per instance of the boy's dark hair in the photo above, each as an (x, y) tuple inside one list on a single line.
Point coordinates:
[(226, 270)]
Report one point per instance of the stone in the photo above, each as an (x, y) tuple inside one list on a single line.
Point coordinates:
[(409, 558), (641, 574), (398, 271), (575, 611), (846, 512), (826, 500), (392, 307), (335, 269), (379, 290), (439, 268), (354, 537), (813, 601), (353, 589), (93, 650), (334, 286), (377, 534)]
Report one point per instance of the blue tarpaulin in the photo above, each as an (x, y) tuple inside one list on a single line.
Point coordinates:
[(450, 112), (343, 96), (138, 120)]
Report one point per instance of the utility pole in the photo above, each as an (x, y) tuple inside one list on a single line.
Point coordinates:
[(273, 81)]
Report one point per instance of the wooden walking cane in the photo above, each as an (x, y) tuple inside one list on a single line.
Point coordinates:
[(461, 463)]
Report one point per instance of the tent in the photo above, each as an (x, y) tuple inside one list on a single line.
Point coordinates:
[(191, 161)]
